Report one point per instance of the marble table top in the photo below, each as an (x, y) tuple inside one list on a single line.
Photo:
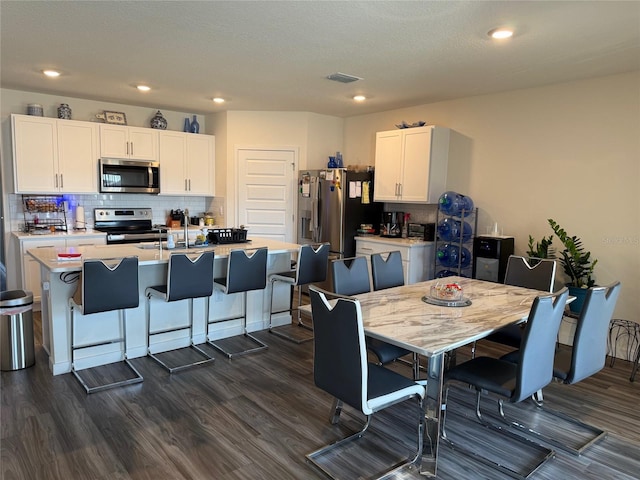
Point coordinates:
[(147, 253), (399, 316)]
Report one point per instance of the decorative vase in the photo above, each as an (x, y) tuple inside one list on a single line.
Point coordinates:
[(580, 294), (158, 121), (187, 125), (64, 111), (195, 126), (35, 109)]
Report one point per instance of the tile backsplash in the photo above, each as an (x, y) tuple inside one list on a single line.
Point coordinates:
[(161, 205)]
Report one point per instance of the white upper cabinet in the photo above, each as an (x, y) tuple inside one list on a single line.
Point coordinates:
[(117, 141), (187, 163), (411, 164), (54, 156)]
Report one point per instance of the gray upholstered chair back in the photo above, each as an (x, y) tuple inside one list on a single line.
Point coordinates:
[(339, 352), (246, 270), (590, 340), (312, 264), (539, 274), (387, 273), (537, 350), (350, 276), (187, 278), (107, 287)]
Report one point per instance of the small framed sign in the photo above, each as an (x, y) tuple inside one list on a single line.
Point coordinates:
[(116, 118)]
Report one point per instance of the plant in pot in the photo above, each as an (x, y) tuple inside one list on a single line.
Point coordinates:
[(577, 264), (542, 249)]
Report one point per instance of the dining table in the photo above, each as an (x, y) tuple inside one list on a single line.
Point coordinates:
[(410, 317)]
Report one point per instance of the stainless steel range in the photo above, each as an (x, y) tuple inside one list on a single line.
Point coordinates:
[(128, 225)]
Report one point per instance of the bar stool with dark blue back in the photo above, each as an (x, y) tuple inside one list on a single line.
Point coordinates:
[(105, 287), (246, 271), (186, 279), (311, 267)]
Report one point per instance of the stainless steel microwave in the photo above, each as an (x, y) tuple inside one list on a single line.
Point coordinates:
[(129, 176)]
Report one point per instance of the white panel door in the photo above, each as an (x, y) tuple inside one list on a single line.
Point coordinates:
[(266, 182)]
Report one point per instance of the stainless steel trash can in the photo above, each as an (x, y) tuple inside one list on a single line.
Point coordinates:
[(16, 330)]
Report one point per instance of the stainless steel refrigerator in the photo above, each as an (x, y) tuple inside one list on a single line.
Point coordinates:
[(332, 204)]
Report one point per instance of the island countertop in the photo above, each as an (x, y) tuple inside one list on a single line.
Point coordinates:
[(60, 279), (147, 253)]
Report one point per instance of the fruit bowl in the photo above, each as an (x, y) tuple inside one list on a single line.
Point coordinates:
[(449, 292)]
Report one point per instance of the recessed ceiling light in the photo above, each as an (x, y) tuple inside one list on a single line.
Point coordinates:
[(359, 98), (218, 100), (143, 88), (51, 73), (500, 33)]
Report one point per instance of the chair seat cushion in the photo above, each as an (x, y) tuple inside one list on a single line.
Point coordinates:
[(561, 363), (485, 373), (385, 387), (385, 352), (157, 291), (510, 335)]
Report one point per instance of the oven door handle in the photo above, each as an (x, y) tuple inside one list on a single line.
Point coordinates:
[(112, 237)]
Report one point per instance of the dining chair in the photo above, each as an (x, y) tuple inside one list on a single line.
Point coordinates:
[(105, 286), (588, 356), (310, 267), (341, 369), (388, 273), (246, 271), (186, 279), (512, 381), (537, 274), (350, 276)]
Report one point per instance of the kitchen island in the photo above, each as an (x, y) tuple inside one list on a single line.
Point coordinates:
[(60, 280)]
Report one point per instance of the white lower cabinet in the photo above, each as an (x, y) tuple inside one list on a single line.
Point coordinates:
[(417, 257), (31, 279)]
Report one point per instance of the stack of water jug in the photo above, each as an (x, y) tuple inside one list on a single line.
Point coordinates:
[(453, 230)]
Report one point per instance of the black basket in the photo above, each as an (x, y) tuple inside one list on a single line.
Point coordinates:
[(227, 235)]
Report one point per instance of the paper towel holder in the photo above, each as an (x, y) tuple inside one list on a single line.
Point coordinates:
[(80, 220)]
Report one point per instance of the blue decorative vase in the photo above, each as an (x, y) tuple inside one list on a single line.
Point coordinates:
[(158, 121), (187, 125), (195, 126)]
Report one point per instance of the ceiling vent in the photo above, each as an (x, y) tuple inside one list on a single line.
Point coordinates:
[(343, 77)]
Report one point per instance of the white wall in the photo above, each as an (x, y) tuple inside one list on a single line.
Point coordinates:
[(570, 152)]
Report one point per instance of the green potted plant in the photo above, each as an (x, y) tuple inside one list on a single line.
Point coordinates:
[(542, 249), (577, 264)]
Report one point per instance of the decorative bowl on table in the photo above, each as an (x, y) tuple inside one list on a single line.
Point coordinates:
[(448, 292)]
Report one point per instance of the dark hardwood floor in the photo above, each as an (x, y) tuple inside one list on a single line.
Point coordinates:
[(257, 416)]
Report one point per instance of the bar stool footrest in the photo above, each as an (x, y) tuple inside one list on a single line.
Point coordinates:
[(206, 358), (260, 346), (106, 386)]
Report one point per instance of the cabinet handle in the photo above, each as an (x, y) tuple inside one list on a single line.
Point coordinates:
[(127, 148), (46, 246), (400, 190), (131, 148), (367, 249), (189, 184), (185, 185), (56, 180), (61, 181)]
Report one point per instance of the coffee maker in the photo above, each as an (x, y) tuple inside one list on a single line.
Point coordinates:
[(391, 225)]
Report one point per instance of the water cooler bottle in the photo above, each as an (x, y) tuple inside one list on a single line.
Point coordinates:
[(490, 255)]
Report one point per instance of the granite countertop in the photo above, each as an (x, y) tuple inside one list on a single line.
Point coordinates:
[(72, 233), (407, 242), (148, 254)]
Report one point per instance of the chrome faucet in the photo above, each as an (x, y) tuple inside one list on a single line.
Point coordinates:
[(186, 228)]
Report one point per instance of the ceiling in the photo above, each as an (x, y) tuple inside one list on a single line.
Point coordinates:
[(276, 55)]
